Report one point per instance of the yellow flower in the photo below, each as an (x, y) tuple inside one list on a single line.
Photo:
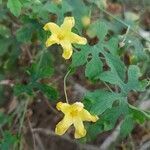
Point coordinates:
[(62, 35), (75, 114)]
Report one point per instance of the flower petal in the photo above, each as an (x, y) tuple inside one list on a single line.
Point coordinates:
[(86, 116), (63, 107), (78, 106), (68, 23), (67, 49), (74, 38), (63, 125), (54, 28), (80, 131), (52, 40)]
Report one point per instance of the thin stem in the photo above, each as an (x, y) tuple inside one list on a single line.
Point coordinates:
[(23, 116), (114, 17), (65, 78), (123, 23), (21, 123), (125, 36), (108, 87), (33, 136)]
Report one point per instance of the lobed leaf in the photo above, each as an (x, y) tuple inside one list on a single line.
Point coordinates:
[(99, 101)]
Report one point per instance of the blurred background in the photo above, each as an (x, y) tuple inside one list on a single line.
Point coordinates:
[(31, 123)]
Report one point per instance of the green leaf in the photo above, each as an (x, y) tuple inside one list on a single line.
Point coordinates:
[(107, 121), (79, 9), (49, 91), (99, 29), (136, 48), (20, 89), (42, 68), (4, 31), (100, 100), (14, 6), (112, 45), (110, 77), (3, 119), (24, 34), (4, 44), (37, 72), (126, 126), (93, 130), (139, 115), (59, 10), (102, 30), (93, 68), (117, 74), (116, 65), (80, 57), (51, 7), (111, 116), (133, 80), (100, 3), (8, 141)]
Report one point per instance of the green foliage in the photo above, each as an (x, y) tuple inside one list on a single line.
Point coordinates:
[(126, 126), (106, 52), (9, 141), (3, 119), (41, 69), (99, 101), (107, 120), (139, 115), (14, 6)]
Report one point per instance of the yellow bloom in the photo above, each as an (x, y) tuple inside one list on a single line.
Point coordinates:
[(75, 114), (62, 35)]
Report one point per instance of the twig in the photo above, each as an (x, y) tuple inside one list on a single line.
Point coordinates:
[(50, 132), (33, 136), (23, 116), (6, 82), (131, 141), (38, 139), (26, 49), (145, 146), (112, 138)]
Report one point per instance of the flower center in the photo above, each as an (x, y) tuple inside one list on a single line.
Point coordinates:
[(60, 36), (74, 113)]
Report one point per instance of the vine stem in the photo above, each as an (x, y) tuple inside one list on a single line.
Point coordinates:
[(65, 92), (125, 24), (125, 36), (108, 87)]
